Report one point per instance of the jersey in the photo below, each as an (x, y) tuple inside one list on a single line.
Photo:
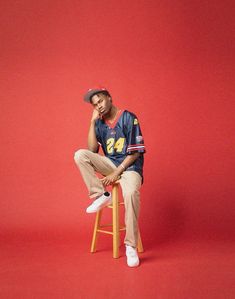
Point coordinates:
[(122, 138)]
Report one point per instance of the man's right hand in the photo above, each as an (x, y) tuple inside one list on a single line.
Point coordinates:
[(95, 115)]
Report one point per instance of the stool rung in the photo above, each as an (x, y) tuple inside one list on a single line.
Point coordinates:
[(111, 206), (100, 230), (104, 231)]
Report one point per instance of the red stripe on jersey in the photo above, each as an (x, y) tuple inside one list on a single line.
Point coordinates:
[(140, 144), (134, 150), (135, 147)]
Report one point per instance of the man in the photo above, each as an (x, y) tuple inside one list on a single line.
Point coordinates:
[(118, 133)]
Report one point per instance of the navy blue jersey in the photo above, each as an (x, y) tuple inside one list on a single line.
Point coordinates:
[(122, 138)]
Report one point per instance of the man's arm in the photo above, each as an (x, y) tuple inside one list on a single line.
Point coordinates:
[(114, 176), (92, 140)]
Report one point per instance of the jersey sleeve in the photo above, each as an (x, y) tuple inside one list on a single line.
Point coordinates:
[(135, 140)]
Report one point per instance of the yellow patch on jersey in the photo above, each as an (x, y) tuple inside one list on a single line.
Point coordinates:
[(136, 121)]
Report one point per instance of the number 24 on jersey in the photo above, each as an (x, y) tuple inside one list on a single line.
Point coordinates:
[(117, 146)]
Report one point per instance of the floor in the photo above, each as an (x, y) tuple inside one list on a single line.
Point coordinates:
[(38, 266)]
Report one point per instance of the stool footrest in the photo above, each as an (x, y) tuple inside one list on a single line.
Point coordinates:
[(111, 206), (100, 230), (104, 231)]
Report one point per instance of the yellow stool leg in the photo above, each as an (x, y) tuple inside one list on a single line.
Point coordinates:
[(95, 232), (115, 205), (140, 245)]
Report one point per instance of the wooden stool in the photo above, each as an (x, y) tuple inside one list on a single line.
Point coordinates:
[(116, 227)]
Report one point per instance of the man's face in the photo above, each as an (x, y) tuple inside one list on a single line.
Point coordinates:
[(102, 103)]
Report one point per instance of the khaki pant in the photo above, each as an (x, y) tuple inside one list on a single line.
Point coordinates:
[(89, 163)]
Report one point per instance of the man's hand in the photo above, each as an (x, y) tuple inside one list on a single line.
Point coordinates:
[(95, 115), (110, 179)]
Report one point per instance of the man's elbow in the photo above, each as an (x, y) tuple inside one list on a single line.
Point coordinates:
[(93, 148)]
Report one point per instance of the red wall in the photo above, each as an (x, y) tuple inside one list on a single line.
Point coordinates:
[(170, 62)]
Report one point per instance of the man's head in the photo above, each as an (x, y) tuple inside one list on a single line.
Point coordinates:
[(100, 99), (92, 91)]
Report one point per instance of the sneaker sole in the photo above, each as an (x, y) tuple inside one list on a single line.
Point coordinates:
[(133, 266)]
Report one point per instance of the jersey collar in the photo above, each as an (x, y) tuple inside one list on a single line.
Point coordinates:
[(113, 124)]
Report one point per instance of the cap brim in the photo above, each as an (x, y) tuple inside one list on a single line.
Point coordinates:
[(91, 93)]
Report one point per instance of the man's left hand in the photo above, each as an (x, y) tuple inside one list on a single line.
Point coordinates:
[(110, 179)]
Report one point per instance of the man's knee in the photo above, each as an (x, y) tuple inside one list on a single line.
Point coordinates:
[(132, 194), (80, 155), (132, 204)]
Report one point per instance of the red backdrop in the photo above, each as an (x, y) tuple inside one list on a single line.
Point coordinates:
[(172, 63)]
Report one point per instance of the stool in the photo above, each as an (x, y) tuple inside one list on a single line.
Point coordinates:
[(116, 227)]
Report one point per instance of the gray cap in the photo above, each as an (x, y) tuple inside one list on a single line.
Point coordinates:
[(91, 92)]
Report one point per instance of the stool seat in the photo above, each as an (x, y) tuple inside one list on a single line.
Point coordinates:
[(115, 225)]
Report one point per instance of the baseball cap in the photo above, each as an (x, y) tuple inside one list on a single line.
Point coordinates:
[(92, 91)]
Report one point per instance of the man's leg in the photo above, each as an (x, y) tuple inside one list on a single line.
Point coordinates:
[(131, 183), (89, 163)]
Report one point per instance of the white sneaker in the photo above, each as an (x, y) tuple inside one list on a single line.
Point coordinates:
[(132, 256), (99, 203)]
